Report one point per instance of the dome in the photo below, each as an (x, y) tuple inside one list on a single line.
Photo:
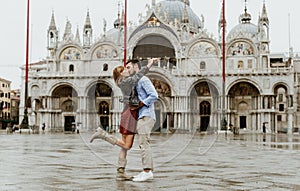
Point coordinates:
[(245, 28), (114, 34), (245, 25), (175, 9), (118, 23)]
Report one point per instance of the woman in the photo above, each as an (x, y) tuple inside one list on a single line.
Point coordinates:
[(129, 116)]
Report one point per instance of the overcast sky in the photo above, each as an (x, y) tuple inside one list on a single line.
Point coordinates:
[(13, 24)]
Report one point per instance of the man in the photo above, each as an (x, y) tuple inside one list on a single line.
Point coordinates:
[(146, 120)]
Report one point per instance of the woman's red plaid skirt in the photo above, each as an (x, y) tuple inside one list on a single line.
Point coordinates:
[(128, 121)]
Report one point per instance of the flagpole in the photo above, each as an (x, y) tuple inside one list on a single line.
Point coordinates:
[(125, 32), (24, 123), (224, 123)]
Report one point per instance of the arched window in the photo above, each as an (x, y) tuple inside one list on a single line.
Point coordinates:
[(282, 98), (103, 108), (205, 108), (105, 67), (71, 68), (240, 64), (202, 65)]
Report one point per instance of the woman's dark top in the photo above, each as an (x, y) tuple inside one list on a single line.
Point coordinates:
[(129, 117)]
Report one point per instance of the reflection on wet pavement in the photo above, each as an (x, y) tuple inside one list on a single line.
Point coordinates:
[(280, 141), (182, 162)]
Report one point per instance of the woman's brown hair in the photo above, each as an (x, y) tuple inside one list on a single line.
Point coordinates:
[(117, 73)]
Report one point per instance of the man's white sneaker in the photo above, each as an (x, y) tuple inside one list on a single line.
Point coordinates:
[(135, 176), (143, 176)]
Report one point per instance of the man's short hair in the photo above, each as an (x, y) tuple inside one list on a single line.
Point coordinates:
[(134, 61)]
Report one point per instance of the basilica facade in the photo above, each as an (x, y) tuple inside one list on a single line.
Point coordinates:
[(73, 85)]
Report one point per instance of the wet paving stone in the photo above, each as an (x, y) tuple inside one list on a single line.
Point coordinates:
[(181, 161)]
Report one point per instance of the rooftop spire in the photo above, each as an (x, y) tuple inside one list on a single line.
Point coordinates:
[(246, 17), (264, 15), (77, 37), (221, 20), (117, 22), (187, 2), (88, 21), (68, 32), (185, 18), (52, 22), (122, 17)]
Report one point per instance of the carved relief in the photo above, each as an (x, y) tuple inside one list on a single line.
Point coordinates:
[(161, 87), (153, 21), (265, 48), (68, 106), (202, 48), (105, 51), (243, 89), (71, 53), (240, 49), (202, 90)]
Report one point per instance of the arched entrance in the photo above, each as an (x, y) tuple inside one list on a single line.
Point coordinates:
[(243, 98), (163, 119), (204, 104), (205, 111), (65, 101), (243, 109), (282, 101), (103, 112), (99, 104)]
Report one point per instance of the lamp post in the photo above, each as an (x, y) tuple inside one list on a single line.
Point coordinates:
[(24, 123)]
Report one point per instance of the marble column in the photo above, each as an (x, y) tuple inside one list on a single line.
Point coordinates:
[(290, 120), (175, 121), (168, 121)]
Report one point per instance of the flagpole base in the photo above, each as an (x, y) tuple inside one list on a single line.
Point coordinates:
[(24, 123)]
